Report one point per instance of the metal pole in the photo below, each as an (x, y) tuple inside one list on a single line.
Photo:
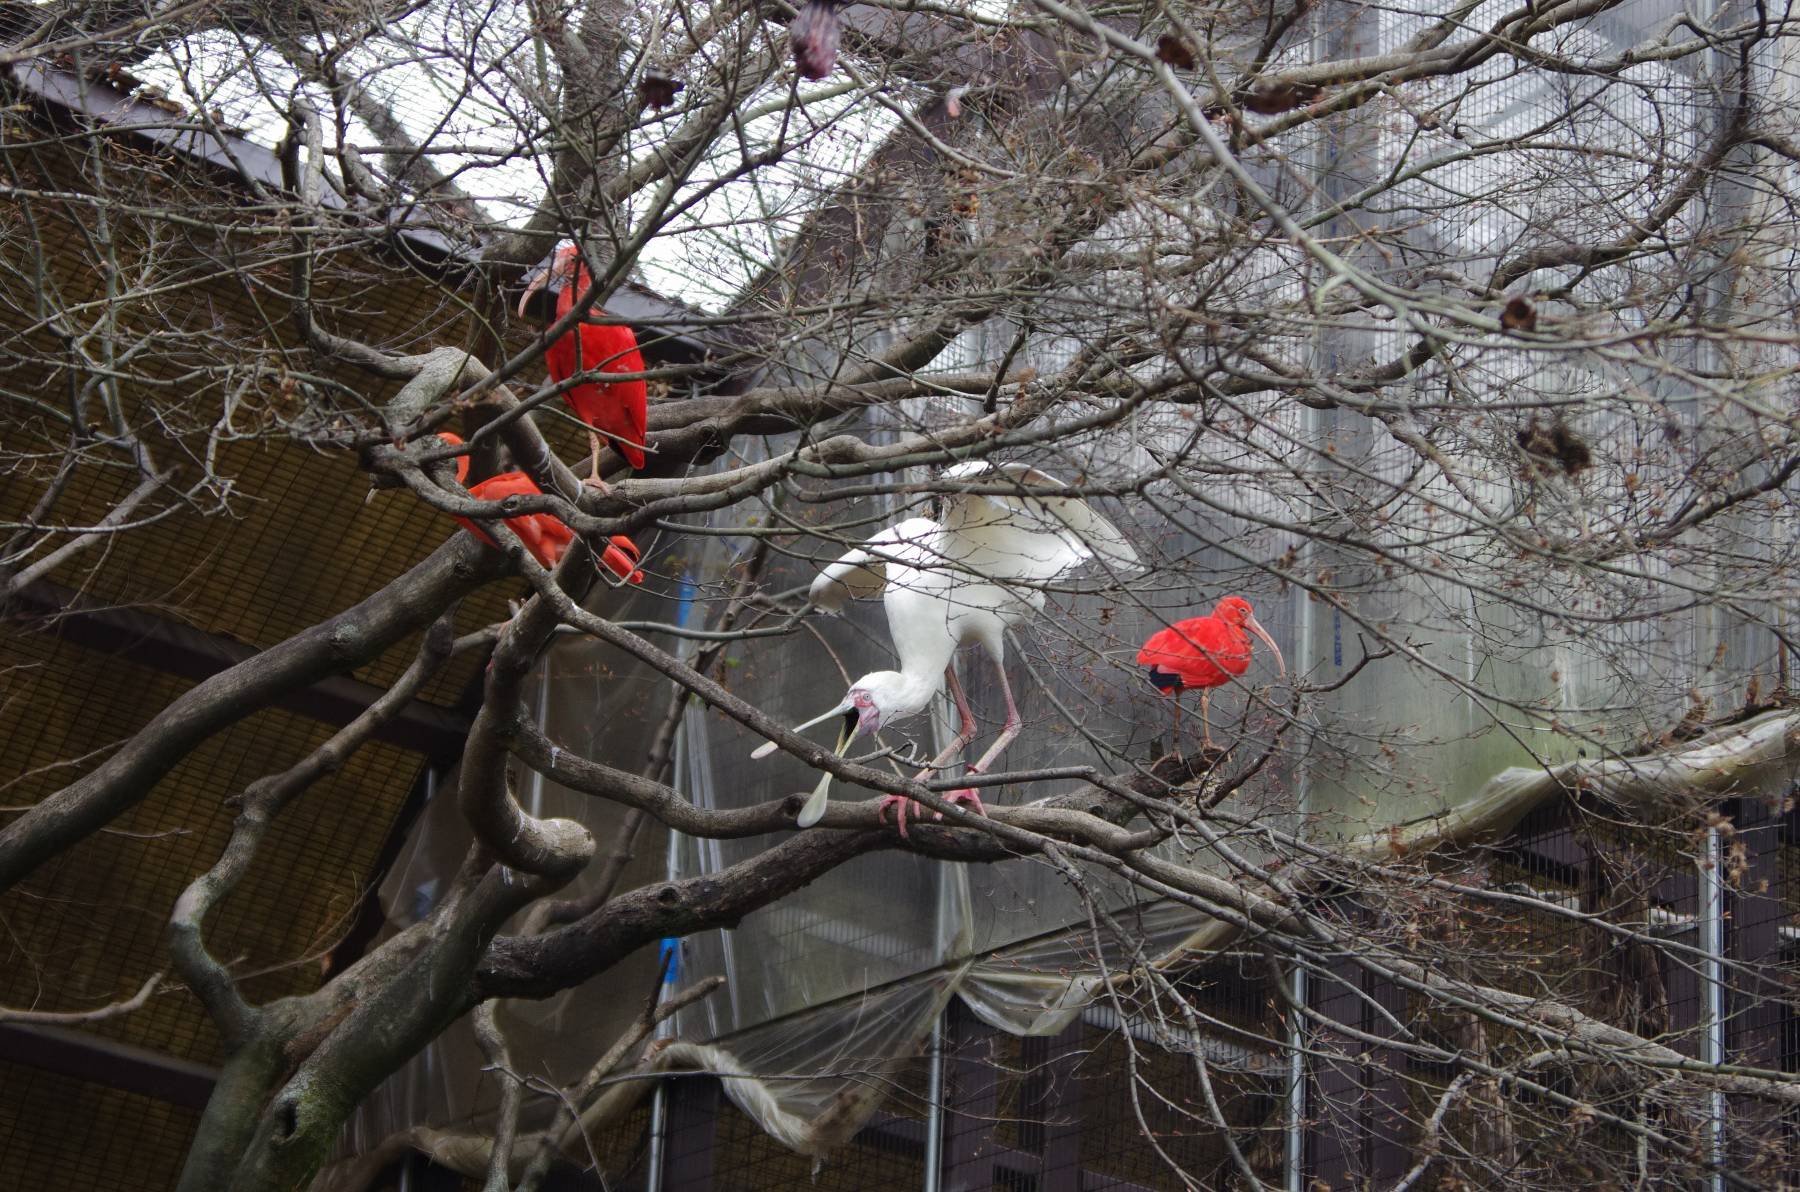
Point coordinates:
[(1294, 1149), (659, 1096), (1294, 1152), (659, 1125), (1294, 1156), (1294, 1160), (1712, 925), (934, 1097), (656, 1160)]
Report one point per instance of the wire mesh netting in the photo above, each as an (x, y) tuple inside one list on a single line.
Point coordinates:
[(1096, 1108), (252, 571), (1122, 1099), (875, 950), (713, 1145), (89, 1136), (91, 928), (1505, 682)]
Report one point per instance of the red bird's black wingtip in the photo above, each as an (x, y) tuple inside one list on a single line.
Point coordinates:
[(1162, 680)]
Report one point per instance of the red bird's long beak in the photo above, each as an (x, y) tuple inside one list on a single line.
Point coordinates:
[(534, 281), (1255, 626)]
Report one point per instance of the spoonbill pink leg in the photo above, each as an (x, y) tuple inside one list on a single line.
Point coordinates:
[(967, 795), (965, 732)]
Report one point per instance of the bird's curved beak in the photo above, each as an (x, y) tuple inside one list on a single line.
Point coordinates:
[(621, 558), (845, 709), (1255, 626), (535, 281)]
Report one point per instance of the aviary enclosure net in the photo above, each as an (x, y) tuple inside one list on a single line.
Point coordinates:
[(832, 995)]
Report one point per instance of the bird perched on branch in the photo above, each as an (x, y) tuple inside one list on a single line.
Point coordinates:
[(619, 410), (544, 534), (964, 575), (1205, 652)]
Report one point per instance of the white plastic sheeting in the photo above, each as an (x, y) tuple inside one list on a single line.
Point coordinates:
[(812, 1079)]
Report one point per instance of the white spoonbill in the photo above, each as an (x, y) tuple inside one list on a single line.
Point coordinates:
[(965, 575)]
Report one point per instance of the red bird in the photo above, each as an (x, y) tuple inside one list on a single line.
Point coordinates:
[(1205, 652), (544, 535), (619, 410)]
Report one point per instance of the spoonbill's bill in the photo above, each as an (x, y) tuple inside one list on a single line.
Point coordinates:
[(1205, 652), (544, 535), (617, 410), (965, 575)]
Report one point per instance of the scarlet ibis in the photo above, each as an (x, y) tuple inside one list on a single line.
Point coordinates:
[(618, 410), (1205, 652), (544, 535), (965, 575)]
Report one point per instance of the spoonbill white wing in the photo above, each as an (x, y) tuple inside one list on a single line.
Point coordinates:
[(1046, 534), (863, 573)]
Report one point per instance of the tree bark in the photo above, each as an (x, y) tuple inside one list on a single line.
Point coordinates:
[(273, 1120)]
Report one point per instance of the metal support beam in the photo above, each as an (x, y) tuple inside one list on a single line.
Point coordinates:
[(85, 1056), (693, 1135), (176, 649)]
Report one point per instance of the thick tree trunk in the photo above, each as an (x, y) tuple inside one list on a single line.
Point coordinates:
[(232, 1114), (273, 1120)]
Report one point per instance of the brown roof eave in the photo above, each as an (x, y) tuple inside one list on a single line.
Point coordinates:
[(241, 161)]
